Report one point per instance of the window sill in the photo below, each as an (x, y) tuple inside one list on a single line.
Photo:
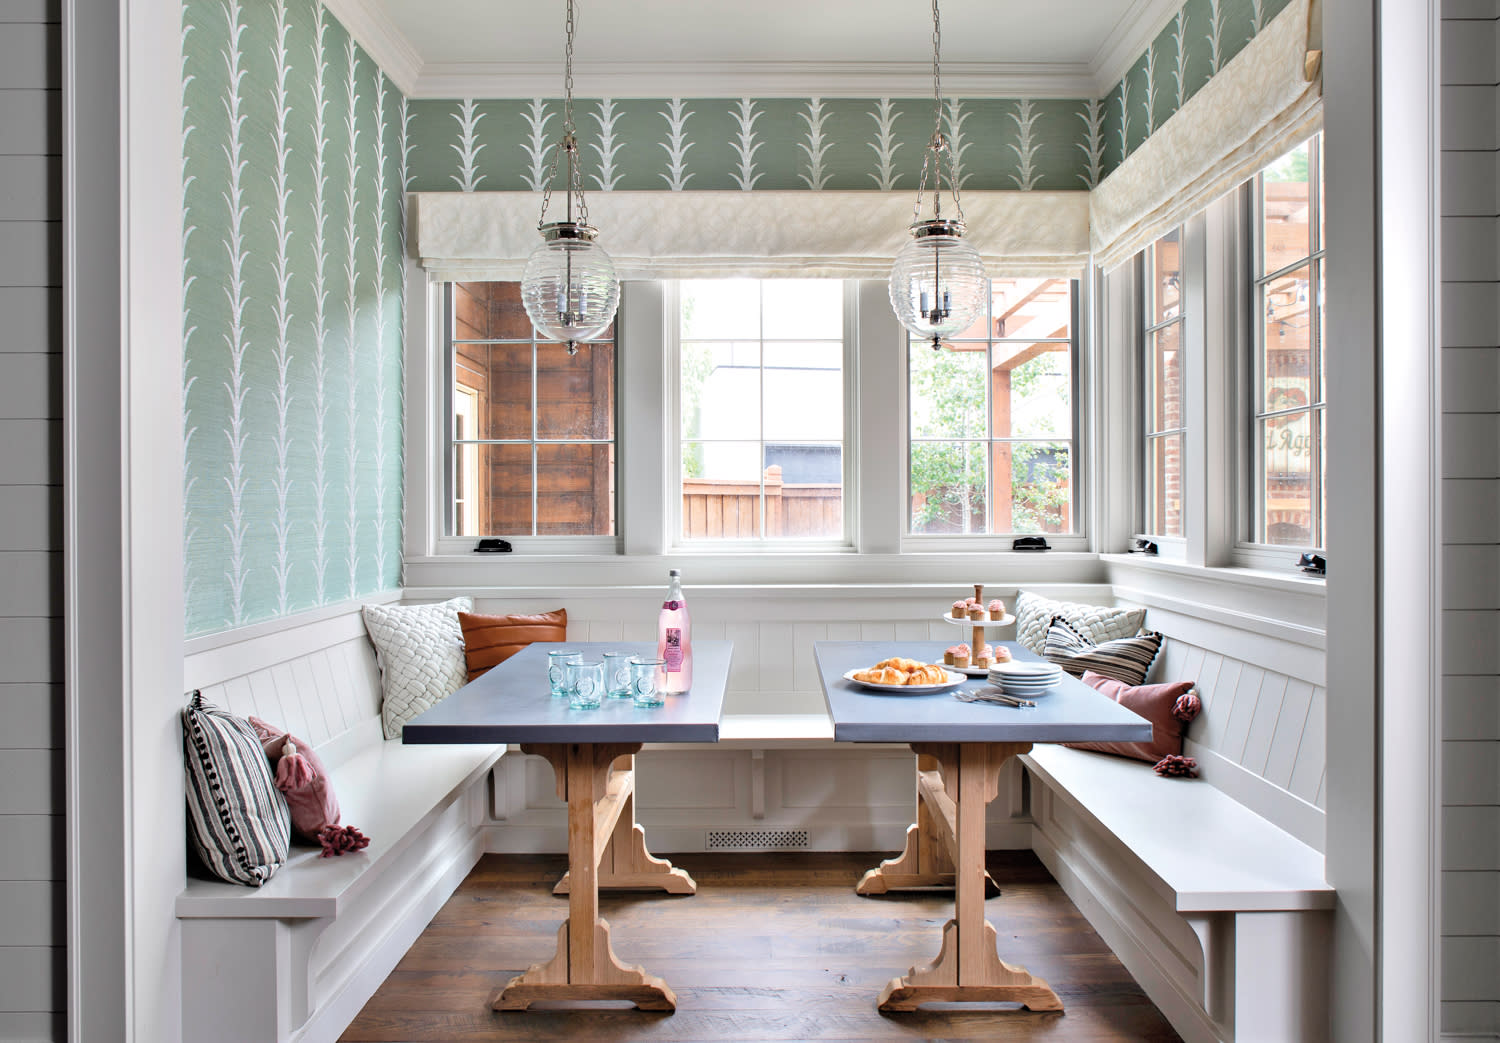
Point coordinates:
[(1288, 580)]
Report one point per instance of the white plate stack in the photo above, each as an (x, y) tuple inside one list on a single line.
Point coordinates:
[(1025, 680)]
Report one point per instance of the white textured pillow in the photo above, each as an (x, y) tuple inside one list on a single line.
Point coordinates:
[(420, 649), (1098, 623)]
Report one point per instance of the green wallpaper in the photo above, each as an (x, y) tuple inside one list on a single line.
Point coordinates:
[(1195, 45), (747, 143), (293, 154)]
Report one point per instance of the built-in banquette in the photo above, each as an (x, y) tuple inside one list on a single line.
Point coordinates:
[(1210, 891)]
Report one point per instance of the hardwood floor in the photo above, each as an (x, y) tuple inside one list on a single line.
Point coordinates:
[(773, 947)]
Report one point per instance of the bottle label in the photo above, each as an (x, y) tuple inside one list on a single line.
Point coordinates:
[(673, 654)]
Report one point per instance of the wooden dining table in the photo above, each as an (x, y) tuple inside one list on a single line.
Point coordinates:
[(961, 748), (592, 753)]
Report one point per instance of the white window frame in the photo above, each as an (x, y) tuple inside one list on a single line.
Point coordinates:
[(927, 543), (521, 544), (1174, 547), (1248, 487), (846, 542)]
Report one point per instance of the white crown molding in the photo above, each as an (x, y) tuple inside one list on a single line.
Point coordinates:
[(372, 29), (1128, 41), (754, 79)]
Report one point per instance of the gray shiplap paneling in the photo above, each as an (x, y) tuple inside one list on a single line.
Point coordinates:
[(32, 979), (33, 848), (29, 122), (31, 11), (30, 518), (30, 253), (1471, 903), (30, 784), (1471, 773), (1471, 966), (33, 318), (1471, 445), (1471, 707), (1471, 249), (1471, 576), (1487, 9), (29, 188), (30, 57), (30, 386), (1471, 641), (30, 912), (1470, 508), (1469, 53), (30, 584), (33, 452), (1471, 380), (1471, 838), (1468, 188), (1469, 116), (1471, 315), (31, 650)]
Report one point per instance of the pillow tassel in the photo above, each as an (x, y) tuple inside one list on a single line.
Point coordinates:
[(1188, 706), (292, 771), (336, 840), (1175, 766)]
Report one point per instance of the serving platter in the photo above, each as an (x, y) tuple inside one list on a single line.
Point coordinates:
[(967, 622), (953, 680)]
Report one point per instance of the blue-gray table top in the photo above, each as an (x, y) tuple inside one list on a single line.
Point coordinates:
[(1073, 712), (513, 703)]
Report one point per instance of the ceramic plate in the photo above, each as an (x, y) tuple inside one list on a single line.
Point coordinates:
[(910, 689)]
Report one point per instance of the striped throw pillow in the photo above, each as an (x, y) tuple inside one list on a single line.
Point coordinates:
[(1126, 659), (239, 821)]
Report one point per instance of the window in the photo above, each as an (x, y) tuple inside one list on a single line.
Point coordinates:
[(531, 447), (991, 422), (1287, 404), (1161, 306), (761, 406)]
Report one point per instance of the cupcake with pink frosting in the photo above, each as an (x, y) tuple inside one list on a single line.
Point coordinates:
[(997, 609), (960, 609), (961, 654)]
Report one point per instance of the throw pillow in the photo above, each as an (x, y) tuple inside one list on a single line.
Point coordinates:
[(300, 775), (1125, 659), (1169, 708), (239, 822), (491, 640), (1096, 622), (420, 650)]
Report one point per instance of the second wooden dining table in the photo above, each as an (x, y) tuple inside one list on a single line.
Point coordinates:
[(592, 753), (961, 748)]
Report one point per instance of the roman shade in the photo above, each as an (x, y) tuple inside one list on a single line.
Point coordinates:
[(1262, 103), (665, 235)]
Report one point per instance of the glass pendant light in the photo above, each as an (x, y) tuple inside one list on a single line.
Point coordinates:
[(569, 288), (938, 283)]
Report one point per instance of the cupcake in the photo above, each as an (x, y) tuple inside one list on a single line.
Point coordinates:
[(997, 609), (986, 654), (976, 612), (961, 656), (960, 609), (948, 655), (1002, 655)]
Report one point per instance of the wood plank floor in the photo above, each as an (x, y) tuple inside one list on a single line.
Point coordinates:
[(773, 947)]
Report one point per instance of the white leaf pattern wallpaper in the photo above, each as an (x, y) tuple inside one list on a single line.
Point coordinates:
[(293, 357)]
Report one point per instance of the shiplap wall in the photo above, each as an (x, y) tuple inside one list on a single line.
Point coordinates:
[(1471, 516), (32, 973)]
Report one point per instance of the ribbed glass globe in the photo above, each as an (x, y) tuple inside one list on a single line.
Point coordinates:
[(938, 283), (569, 289)]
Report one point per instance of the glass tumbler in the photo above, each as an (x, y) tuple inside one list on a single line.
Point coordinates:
[(617, 675), (643, 681), (585, 680), (556, 676)]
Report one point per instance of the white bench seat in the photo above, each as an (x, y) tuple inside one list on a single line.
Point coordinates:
[(1222, 917), (391, 793)]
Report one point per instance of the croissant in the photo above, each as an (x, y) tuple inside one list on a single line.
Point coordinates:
[(881, 675), (906, 666), (933, 674)]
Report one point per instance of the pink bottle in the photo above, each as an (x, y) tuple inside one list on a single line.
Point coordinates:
[(674, 643)]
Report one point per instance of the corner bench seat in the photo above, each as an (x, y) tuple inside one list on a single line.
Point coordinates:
[(1223, 917), (297, 958)]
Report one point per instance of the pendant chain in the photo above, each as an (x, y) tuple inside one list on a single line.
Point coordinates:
[(939, 147), (568, 142)]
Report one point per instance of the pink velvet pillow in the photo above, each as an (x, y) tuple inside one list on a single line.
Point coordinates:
[(301, 776), (1169, 708)]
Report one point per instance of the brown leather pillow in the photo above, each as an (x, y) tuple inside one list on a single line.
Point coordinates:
[(490, 640)]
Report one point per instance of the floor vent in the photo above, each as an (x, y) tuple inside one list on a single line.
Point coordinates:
[(757, 839)]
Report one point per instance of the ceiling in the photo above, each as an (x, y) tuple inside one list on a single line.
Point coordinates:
[(715, 48)]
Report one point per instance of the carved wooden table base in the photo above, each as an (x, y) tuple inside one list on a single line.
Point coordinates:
[(605, 849), (946, 846)]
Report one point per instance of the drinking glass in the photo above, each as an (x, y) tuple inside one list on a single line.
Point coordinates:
[(617, 675), (643, 681), (585, 681), (556, 661)]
